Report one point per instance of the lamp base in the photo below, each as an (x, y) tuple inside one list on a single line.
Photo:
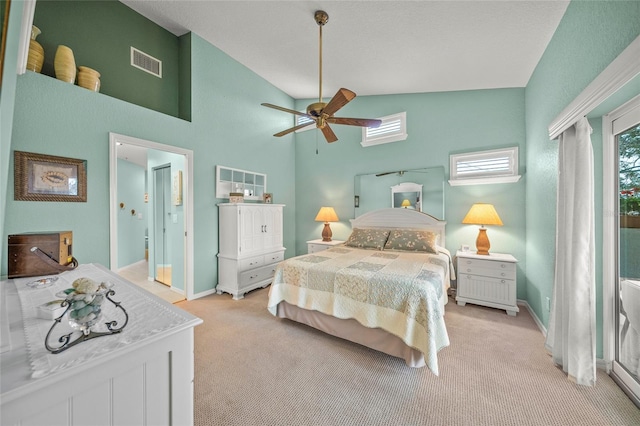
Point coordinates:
[(482, 242), (326, 232)]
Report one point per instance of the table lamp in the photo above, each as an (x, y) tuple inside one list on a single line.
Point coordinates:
[(482, 214), (326, 215), (405, 203)]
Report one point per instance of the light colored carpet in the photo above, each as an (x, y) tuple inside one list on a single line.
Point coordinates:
[(254, 369)]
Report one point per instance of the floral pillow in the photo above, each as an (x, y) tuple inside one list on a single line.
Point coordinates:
[(368, 238), (412, 240)]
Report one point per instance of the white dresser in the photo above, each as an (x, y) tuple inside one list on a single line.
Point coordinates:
[(488, 280), (250, 246), (143, 375)]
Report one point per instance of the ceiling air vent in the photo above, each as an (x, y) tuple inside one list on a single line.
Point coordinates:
[(146, 62)]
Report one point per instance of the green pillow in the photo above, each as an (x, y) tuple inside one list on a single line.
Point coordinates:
[(412, 240), (368, 238)]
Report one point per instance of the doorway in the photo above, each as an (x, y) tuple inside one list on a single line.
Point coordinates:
[(621, 131), (174, 250)]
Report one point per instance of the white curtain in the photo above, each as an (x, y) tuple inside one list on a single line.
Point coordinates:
[(571, 335)]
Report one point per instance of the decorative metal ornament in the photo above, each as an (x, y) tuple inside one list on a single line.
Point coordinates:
[(86, 332)]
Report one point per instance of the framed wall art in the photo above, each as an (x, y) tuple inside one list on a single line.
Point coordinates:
[(40, 177)]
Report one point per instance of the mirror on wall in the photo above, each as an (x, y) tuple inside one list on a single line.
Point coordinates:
[(421, 189), (407, 195)]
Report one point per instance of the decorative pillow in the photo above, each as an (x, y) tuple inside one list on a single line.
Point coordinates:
[(412, 240), (368, 238)]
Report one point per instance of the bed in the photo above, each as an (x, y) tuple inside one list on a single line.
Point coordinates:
[(385, 288)]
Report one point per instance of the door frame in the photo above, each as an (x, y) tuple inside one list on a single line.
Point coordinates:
[(114, 140), (610, 246)]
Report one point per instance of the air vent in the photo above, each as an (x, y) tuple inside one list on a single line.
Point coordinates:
[(146, 62)]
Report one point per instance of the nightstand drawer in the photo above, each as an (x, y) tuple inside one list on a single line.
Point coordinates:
[(487, 268), (315, 246)]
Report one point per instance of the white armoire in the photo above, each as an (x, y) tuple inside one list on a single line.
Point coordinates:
[(250, 246)]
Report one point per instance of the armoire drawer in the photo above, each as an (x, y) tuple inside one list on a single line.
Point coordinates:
[(256, 275), (250, 263), (273, 258)]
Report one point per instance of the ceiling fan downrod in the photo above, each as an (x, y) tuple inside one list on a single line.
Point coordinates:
[(321, 18)]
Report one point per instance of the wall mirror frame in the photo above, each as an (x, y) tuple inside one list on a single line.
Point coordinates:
[(422, 186)]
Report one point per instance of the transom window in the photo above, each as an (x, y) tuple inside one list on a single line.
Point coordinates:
[(392, 129), (493, 166)]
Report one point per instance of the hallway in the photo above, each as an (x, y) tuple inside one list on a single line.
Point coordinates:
[(137, 273)]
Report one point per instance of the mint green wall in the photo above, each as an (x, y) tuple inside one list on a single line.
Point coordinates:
[(590, 36), (131, 229), (101, 34), (228, 127), (438, 124), (7, 100)]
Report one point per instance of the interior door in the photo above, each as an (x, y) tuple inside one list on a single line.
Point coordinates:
[(626, 364), (161, 214)]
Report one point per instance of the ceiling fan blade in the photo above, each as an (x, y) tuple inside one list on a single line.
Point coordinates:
[(293, 129), (362, 122), (292, 111), (328, 133), (384, 174), (340, 99)]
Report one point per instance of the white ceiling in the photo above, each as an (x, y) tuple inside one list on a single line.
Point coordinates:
[(372, 47)]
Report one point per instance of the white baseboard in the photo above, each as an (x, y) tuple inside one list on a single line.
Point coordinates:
[(600, 363), (202, 294), (541, 326), (178, 290)]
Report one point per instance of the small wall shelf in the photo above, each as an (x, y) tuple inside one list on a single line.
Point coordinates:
[(252, 185)]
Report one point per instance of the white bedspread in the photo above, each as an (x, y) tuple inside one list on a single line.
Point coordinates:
[(399, 292)]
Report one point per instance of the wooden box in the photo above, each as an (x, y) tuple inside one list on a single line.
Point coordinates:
[(23, 262)]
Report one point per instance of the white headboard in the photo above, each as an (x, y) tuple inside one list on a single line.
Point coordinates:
[(401, 218)]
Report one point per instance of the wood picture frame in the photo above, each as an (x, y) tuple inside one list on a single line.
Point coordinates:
[(40, 177)]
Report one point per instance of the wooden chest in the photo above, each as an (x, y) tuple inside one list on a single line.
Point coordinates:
[(23, 262)]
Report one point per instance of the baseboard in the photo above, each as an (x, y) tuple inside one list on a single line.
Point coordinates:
[(541, 326), (202, 294), (178, 290), (600, 363)]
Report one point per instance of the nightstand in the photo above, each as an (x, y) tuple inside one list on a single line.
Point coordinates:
[(487, 280), (315, 246)]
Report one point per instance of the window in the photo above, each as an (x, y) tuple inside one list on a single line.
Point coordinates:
[(392, 129), (494, 166), (301, 119)]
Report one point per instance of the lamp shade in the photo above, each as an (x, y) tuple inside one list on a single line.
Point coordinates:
[(406, 203), (327, 214), (482, 214)]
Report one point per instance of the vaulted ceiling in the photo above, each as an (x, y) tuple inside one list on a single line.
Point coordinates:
[(372, 47)]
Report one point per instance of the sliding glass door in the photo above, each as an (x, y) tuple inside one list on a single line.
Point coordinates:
[(626, 363)]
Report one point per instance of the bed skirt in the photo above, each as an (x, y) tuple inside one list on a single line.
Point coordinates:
[(352, 330)]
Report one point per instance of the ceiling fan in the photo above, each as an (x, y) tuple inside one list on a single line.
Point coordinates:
[(320, 112)]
